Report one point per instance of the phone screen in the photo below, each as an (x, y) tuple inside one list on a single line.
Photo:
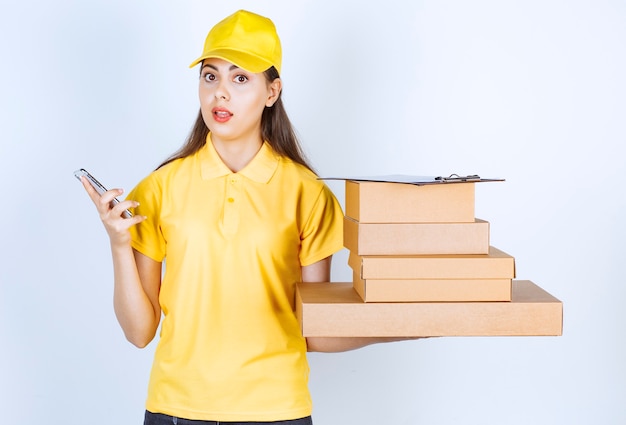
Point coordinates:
[(99, 188)]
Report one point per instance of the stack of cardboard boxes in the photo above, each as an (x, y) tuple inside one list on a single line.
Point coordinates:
[(423, 266), (413, 243)]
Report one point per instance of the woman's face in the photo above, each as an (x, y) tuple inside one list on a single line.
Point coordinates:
[(232, 100)]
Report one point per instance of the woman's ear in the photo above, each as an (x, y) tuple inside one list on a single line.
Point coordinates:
[(275, 88)]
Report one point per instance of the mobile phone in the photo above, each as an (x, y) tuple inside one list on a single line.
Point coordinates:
[(99, 188)]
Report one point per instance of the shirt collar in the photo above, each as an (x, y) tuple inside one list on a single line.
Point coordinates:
[(260, 169)]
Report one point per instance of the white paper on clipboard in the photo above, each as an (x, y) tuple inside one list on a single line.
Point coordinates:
[(416, 180)]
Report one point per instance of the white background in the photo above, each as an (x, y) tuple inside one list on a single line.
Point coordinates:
[(530, 91)]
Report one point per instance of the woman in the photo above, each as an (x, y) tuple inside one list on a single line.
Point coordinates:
[(240, 217)]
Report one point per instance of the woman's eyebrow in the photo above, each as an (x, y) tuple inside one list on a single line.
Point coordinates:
[(213, 67)]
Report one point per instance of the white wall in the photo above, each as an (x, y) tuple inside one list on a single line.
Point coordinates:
[(531, 91)]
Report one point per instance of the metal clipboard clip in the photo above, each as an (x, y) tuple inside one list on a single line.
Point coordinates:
[(456, 178)]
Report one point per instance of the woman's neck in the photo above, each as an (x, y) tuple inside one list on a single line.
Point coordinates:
[(236, 154)]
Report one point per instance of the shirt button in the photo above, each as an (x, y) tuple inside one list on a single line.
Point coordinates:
[(231, 200)]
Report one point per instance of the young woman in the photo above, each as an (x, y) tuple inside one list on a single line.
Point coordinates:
[(239, 218)]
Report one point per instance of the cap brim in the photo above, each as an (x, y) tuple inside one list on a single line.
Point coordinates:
[(243, 60)]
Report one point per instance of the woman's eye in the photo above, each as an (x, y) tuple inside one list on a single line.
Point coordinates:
[(241, 79), (209, 77)]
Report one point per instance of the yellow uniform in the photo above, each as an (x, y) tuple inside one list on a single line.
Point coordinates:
[(233, 244)]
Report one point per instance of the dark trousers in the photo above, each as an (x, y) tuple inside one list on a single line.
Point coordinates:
[(161, 419)]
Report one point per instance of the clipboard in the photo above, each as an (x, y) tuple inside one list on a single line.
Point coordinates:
[(417, 180)]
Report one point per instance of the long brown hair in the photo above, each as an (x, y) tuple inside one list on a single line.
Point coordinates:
[(276, 129)]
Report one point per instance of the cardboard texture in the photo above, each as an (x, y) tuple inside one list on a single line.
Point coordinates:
[(494, 265), (416, 238), (376, 202), (336, 310), (432, 290)]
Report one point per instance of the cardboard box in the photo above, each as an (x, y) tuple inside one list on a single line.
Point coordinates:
[(378, 202), (495, 265), (416, 238), (432, 290), (336, 310)]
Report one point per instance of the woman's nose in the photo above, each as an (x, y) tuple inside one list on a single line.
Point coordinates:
[(221, 92)]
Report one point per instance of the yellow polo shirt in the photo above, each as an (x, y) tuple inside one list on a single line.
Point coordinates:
[(230, 347)]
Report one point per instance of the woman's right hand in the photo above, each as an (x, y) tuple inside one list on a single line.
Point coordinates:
[(137, 278), (111, 214)]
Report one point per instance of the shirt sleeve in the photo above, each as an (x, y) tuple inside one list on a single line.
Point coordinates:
[(147, 236), (322, 234)]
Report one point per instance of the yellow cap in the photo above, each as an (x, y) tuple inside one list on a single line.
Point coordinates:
[(245, 39)]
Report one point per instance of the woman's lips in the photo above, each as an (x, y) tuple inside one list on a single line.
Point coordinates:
[(221, 114)]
